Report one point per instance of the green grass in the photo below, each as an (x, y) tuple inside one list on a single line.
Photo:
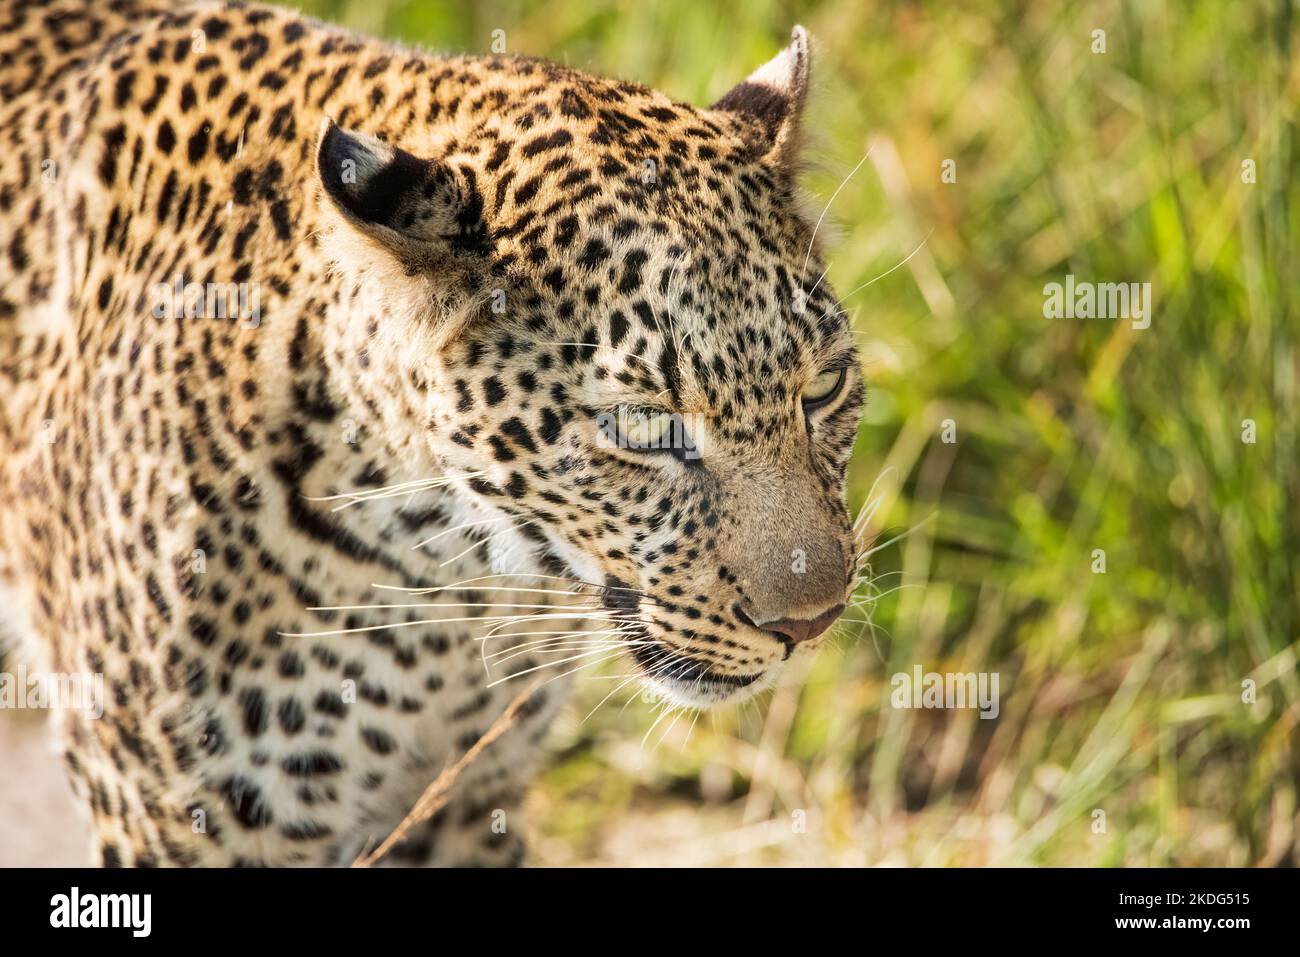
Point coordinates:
[(1121, 692)]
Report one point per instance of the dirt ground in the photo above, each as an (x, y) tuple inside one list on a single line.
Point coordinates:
[(39, 824)]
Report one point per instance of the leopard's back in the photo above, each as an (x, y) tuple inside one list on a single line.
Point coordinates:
[(161, 475)]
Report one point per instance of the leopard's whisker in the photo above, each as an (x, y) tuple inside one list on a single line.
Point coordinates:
[(868, 512), (463, 583), (457, 528), (365, 628), (867, 623), (866, 576), (691, 729), (819, 280), (573, 638), (390, 491), (559, 642), (570, 631), (551, 664), (874, 548), (467, 582), (435, 604), (650, 670), (844, 182), (887, 472), (586, 664), (899, 265), (626, 681), (425, 621), (570, 613), (664, 711), (482, 542), (503, 621), (561, 648), (873, 598), (479, 588), (681, 710), (676, 711), (621, 638), (395, 488), (556, 635)]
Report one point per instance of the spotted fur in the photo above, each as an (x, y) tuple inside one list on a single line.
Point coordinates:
[(463, 264)]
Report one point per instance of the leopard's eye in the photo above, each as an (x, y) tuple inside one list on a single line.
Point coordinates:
[(823, 388), (645, 429), (641, 429)]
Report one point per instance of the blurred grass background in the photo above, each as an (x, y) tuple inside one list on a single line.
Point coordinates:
[(1122, 692)]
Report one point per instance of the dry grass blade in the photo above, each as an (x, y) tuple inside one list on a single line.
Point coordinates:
[(435, 796)]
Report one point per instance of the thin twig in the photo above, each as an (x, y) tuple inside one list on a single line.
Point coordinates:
[(437, 794)]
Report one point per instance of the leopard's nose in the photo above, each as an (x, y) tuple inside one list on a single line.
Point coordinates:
[(796, 630)]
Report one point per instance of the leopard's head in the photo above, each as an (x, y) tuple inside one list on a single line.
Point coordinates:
[(611, 318)]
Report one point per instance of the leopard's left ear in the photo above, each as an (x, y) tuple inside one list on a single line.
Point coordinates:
[(420, 211), (772, 98)]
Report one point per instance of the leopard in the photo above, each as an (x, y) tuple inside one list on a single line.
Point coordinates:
[(352, 392)]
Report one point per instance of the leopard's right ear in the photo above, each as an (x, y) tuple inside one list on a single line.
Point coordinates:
[(773, 98), (421, 211)]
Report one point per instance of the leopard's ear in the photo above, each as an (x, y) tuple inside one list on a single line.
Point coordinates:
[(422, 211), (772, 98)]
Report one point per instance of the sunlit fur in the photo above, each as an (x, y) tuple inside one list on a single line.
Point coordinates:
[(314, 558)]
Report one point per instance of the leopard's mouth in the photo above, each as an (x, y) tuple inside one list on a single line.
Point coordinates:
[(675, 675), (664, 664), (683, 679)]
